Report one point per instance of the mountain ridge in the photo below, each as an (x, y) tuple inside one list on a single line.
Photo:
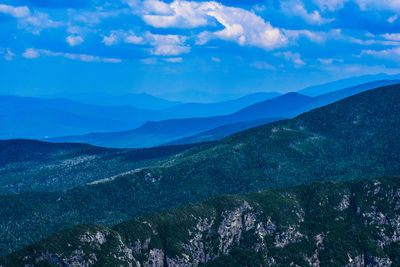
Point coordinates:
[(167, 131), (354, 137), (302, 226)]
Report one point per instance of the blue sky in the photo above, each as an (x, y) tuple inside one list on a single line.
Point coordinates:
[(192, 50)]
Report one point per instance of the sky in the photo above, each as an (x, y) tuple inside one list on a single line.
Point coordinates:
[(192, 50)]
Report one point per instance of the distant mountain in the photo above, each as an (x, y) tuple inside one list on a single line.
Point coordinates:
[(167, 131), (157, 133), (140, 101), (344, 83), (355, 137), (28, 165), (221, 132), (37, 118), (353, 223), (190, 110)]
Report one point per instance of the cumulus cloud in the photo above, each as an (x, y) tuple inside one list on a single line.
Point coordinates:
[(133, 39), (31, 21), (261, 65), (240, 26), (180, 14), (295, 58), (314, 36), (379, 4), (35, 53), (330, 5), (167, 45), (116, 37), (392, 36), (31, 53), (16, 12), (163, 45), (333, 5), (389, 54), (74, 40), (296, 8)]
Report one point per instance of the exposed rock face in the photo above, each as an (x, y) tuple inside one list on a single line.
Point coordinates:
[(338, 224)]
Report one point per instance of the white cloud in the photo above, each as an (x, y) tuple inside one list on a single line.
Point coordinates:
[(293, 57), (389, 54), (330, 5), (244, 28), (392, 36), (393, 18), (262, 65), (240, 26), (296, 8), (33, 22), (118, 36), (181, 14), (74, 40), (8, 54), (157, 7), (112, 39), (167, 45), (314, 36), (379, 4), (333, 5), (31, 53), (35, 53), (16, 12), (216, 59), (328, 61), (133, 39), (173, 59), (163, 45)]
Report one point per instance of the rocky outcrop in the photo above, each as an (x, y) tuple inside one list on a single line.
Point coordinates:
[(343, 224)]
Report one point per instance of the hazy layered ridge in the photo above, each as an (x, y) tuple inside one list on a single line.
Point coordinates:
[(356, 137), (42, 118), (352, 223), (167, 131)]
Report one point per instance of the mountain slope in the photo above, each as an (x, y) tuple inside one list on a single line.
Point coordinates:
[(27, 165), (26, 117), (191, 110), (321, 224), (167, 131), (355, 137)]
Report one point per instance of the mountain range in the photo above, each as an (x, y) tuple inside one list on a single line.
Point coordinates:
[(352, 138), (168, 131), (352, 223), (36, 118), (330, 87), (42, 118)]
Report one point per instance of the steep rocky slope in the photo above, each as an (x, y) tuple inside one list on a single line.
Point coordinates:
[(354, 223)]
